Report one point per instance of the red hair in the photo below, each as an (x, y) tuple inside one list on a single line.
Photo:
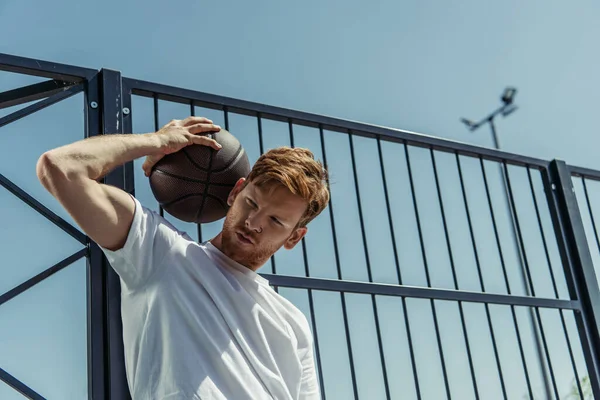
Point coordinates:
[(299, 171)]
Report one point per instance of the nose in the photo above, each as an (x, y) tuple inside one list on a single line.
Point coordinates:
[(253, 223)]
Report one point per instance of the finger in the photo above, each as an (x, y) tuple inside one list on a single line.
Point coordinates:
[(206, 141), (201, 128), (196, 120), (149, 164)]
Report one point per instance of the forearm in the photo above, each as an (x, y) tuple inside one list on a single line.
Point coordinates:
[(95, 157)]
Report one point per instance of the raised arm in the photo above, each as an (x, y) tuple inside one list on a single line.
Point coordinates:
[(71, 174)]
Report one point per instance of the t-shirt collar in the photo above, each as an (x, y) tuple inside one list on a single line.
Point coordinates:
[(234, 264)]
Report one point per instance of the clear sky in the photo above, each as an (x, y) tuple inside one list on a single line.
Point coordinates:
[(413, 65)]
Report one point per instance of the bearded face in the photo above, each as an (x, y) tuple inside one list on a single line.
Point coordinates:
[(259, 222)]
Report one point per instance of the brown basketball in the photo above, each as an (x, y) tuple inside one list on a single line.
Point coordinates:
[(193, 183)]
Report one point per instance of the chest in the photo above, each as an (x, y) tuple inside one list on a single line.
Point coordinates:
[(204, 300)]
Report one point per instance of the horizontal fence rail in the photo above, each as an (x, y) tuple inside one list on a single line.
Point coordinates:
[(200, 99), (416, 292), (52, 70), (585, 173)]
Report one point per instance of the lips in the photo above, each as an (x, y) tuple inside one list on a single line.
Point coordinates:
[(244, 238)]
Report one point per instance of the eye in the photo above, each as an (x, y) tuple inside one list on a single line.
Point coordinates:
[(251, 203), (275, 220)]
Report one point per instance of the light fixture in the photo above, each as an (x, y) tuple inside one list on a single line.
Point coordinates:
[(509, 95), (509, 110), (467, 122)]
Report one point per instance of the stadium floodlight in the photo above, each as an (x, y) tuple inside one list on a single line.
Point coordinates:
[(509, 95)]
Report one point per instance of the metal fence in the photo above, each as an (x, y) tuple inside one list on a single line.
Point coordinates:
[(439, 269)]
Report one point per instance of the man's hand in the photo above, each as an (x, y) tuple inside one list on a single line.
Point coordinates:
[(178, 134)]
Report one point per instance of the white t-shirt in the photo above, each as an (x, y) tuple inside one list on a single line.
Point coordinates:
[(198, 325)]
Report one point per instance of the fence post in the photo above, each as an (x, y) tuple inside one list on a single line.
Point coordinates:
[(112, 123), (577, 263), (96, 300)]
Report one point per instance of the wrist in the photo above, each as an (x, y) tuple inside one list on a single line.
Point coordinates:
[(152, 143)]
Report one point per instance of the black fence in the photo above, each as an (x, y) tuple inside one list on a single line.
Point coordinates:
[(439, 269)]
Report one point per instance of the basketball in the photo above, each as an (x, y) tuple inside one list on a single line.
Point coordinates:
[(193, 184)]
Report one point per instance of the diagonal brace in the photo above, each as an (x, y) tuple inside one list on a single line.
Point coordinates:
[(19, 386), (62, 95), (27, 94)]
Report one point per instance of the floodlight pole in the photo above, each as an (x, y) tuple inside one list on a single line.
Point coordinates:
[(494, 134), (506, 109)]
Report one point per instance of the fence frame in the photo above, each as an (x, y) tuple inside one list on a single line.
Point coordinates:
[(108, 110)]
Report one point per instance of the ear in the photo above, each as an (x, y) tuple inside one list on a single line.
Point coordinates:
[(239, 185), (295, 237)]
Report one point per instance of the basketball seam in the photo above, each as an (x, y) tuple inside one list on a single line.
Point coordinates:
[(187, 196), (208, 174), (193, 179), (194, 162), (235, 156), (232, 162)]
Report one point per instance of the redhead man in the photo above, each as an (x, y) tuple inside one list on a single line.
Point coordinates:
[(198, 321)]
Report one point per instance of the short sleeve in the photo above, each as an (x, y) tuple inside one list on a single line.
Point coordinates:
[(309, 386), (148, 241)]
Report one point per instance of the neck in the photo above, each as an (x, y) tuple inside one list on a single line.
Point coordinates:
[(217, 241)]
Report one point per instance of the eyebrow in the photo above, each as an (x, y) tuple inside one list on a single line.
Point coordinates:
[(278, 217)]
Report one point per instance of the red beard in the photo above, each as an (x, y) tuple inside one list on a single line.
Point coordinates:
[(252, 255)]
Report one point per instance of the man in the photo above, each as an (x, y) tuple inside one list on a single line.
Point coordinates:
[(198, 321)]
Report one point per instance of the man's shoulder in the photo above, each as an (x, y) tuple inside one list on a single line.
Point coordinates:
[(159, 220), (293, 314)]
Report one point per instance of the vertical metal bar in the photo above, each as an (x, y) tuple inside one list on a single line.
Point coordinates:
[(311, 302), (310, 296), (545, 344), (528, 273), (112, 107), (541, 227), (314, 324), (501, 254), (156, 128), (291, 131), (315, 335), (522, 267), (417, 216), (481, 282), (389, 211), (513, 215), (511, 209), (589, 207), (339, 271), (411, 348), (291, 135), (494, 224), (577, 262), (397, 261), (425, 263), (368, 261), (98, 369), (471, 233), (198, 225), (449, 247), (260, 134), (539, 218), (127, 121), (261, 148), (226, 117), (97, 363)]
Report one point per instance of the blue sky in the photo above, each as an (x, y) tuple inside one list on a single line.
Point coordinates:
[(418, 66)]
